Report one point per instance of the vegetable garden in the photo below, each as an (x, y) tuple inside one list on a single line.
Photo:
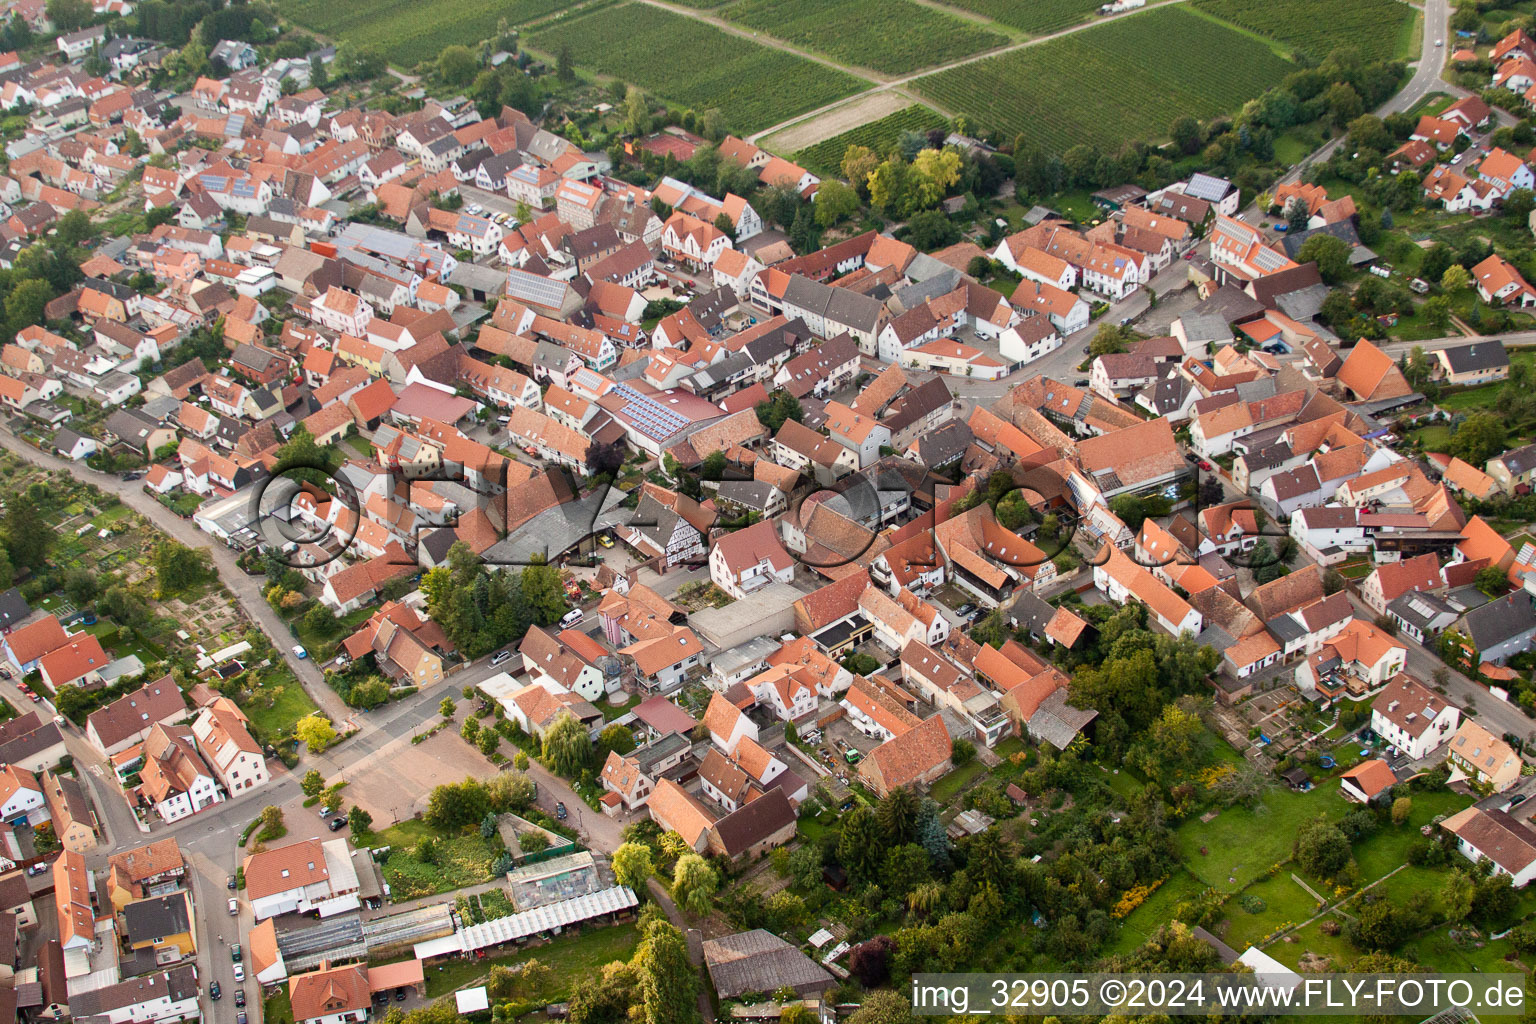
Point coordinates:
[(1376, 29), (895, 36), (1122, 81), (407, 32), (826, 157), (696, 65)]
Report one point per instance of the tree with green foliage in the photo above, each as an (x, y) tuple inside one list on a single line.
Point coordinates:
[(457, 805), (930, 230), (510, 790), (359, 821), (319, 620), (488, 742), (80, 586), (1110, 338), (271, 819), (29, 537), (860, 845), (567, 750), (618, 738), (371, 693), (69, 15), (1297, 214), (1479, 438), (694, 883), (883, 1006), (1455, 278), (315, 732), (447, 708), (604, 997), (1329, 253), (780, 407), (632, 865), (1436, 312), (1185, 132), (835, 203), (470, 730), (1321, 848), (897, 814), (544, 592), (312, 783), (666, 982), (1491, 580), (457, 65)]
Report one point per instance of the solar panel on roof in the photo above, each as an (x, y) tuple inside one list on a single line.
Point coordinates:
[(541, 290), (1204, 186)]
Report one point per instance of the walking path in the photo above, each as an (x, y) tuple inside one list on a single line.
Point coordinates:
[(1333, 906), (887, 82), (247, 590)]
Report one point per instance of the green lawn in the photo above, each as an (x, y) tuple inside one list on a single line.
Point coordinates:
[(1434, 437), (361, 445), (612, 711), (1284, 904), (1141, 923), (945, 789), (463, 860), (1125, 783), (1281, 902), (277, 704), (1430, 104), (1243, 844), (571, 957), (1312, 940), (276, 1009), (1388, 847), (1292, 148)]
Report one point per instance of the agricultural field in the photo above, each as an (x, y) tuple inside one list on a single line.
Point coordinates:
[(753, 86), (826, 157), (1037, 17), (897, 36), (1377, 29), (407, 33), (1122, 81)]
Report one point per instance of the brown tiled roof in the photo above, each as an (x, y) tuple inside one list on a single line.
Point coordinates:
[(1509, 843), (143, 862), (676, 810), (902, 759), (287, 867), (150, 703), (755, 821), (1373, 776), (1287, 593), (325, 993)]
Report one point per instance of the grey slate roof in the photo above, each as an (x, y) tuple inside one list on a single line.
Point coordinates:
[(157, 918), (1480, 355), (944, 445), (1501, 620), (759, 961), (13, 608)]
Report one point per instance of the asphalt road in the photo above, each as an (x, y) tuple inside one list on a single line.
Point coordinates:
[(247, 590)]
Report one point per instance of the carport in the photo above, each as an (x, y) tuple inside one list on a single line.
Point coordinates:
[(405, 974)]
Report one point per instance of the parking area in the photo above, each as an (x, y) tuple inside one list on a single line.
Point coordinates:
[(382, 784), (837, 737)]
